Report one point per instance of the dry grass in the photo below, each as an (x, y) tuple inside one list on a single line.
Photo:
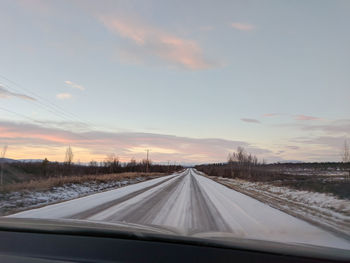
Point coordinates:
[(46, 184)]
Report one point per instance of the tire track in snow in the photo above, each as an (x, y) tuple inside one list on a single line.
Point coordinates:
[(181, 204), (146, 210), (205, 215), (95, 210)]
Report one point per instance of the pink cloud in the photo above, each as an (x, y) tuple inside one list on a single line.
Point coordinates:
[(270, 114), (64, 96), (156, 42), (302, 117), (74, 85), (130, 30), (243, 26)]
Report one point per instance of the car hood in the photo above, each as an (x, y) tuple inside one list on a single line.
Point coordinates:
[(167, 234)]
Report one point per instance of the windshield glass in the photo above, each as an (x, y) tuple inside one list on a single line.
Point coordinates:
[(210, 119)]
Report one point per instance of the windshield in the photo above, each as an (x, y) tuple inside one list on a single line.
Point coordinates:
[(208, 119)]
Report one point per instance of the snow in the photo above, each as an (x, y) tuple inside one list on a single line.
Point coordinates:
[(68, 208), (31, 199), (323, 208), (176, 210), (251, 218)]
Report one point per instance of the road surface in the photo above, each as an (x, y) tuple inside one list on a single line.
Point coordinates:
[(192, 204)]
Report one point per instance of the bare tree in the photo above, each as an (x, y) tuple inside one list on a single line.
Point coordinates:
[(241, 161), (255, 160), (346, 152), (3, 153), (230, 160), (69, 156), (45, 164), (131, 165), (241, 155), (93, 165), (112, 162), (147, 162)]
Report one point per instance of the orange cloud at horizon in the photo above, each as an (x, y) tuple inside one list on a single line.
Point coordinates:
[(302, 117), (47, 137), (32, 141), (52, 153)]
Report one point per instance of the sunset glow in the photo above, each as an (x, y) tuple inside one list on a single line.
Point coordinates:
[(189, 84)]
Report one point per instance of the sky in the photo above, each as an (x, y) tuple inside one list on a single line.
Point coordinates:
[(188, 80)]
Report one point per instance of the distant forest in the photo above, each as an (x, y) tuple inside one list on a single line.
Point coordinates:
[(20, 171), (329, 177)]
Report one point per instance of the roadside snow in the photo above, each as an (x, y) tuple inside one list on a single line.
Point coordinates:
[(251, 218), (324, 209), (17, 201)]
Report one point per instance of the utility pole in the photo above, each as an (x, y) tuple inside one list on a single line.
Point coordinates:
[(2, 164), (147, 161)]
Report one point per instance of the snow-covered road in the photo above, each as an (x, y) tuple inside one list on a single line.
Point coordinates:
[(192, 204)]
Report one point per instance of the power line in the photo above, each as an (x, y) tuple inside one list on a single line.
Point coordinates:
[(43, 106), (49, 106), (18, 114), (33, 93)]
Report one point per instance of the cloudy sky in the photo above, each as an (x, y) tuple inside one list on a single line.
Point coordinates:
[(189, 80)]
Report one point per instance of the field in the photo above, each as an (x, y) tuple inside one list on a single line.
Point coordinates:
[(329, 178), (317, 193), (38, 183)]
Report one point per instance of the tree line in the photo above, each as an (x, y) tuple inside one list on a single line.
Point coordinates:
[(243, 165), (240, 164), (17, 171)]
